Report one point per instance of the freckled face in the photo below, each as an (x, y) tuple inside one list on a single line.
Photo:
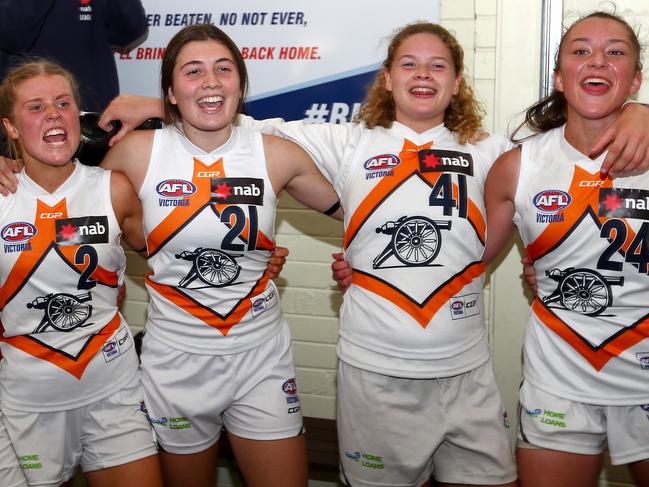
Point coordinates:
[(598, 68), (422, 80), (45, 120), (206, 87)]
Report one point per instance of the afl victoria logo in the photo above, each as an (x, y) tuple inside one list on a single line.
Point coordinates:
[(551, 200), (18, 232), (290, 387), (383, 161), (175, 188)]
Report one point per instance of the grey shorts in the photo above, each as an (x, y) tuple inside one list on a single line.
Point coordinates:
[(400, 432)]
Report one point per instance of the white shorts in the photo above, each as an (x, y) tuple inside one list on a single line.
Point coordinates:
[(11, 475), (106, 433), (400, 432), (190, 397), (555, 423)]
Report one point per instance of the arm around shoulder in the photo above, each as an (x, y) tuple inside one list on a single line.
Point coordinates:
[(500, 190), (291, 168), (128, 211)]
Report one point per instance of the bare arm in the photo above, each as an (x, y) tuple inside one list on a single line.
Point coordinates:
[(291, 168), (128, 211), (132, 111), (627, 141), (499, 198)]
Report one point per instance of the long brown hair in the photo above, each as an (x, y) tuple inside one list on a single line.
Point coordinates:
[(463, 115), (550, 112), (199, 32), (19, 74)]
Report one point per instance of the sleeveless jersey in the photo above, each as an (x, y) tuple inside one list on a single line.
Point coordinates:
[(587, 337), (414, 235), (64, 344), (209, 220)]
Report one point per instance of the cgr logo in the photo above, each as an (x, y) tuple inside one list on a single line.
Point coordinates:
[(18, 232), (551, 200), (175, 188), (383, 161), (209, 174), (591, 184), (48, 216)]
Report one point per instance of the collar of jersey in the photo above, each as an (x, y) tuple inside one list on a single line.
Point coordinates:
[(436, 134), (67, 188), (203, 156), (576, 157)]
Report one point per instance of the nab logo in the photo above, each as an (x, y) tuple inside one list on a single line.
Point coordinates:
[(247, 191), (290, 387), (47, 216), (175, 188), (82, 230), (18, 232), (383, 161), (551, 200)]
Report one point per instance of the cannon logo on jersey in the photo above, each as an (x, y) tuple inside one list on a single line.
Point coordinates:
[(432, 160), (624, 203), (381, 166), (249, 191), (584, 291), (414, 241), (17, 235), (174, 192), (62, 311), (83, 230)]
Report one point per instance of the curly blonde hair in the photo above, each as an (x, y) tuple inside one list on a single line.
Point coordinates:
[(464, 114)]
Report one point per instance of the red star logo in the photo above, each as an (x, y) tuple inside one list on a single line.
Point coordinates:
[(431, 161), (84, 2), (223, 191), (612, 202), (68, 232)]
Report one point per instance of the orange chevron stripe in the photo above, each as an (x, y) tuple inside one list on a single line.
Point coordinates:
[(40, 244), (597, 358), (44, 237), (199, 200), (180, 214), (206, 315), (409, 157), (75, 367), (582, 198), (422, 314)]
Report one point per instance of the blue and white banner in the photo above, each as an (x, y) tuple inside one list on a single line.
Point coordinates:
[(305, 59)]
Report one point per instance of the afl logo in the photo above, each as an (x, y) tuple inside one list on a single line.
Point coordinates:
[(110, 347), (18, 232), (383, 161), (290, 387), (175, 188), (551, 200)]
